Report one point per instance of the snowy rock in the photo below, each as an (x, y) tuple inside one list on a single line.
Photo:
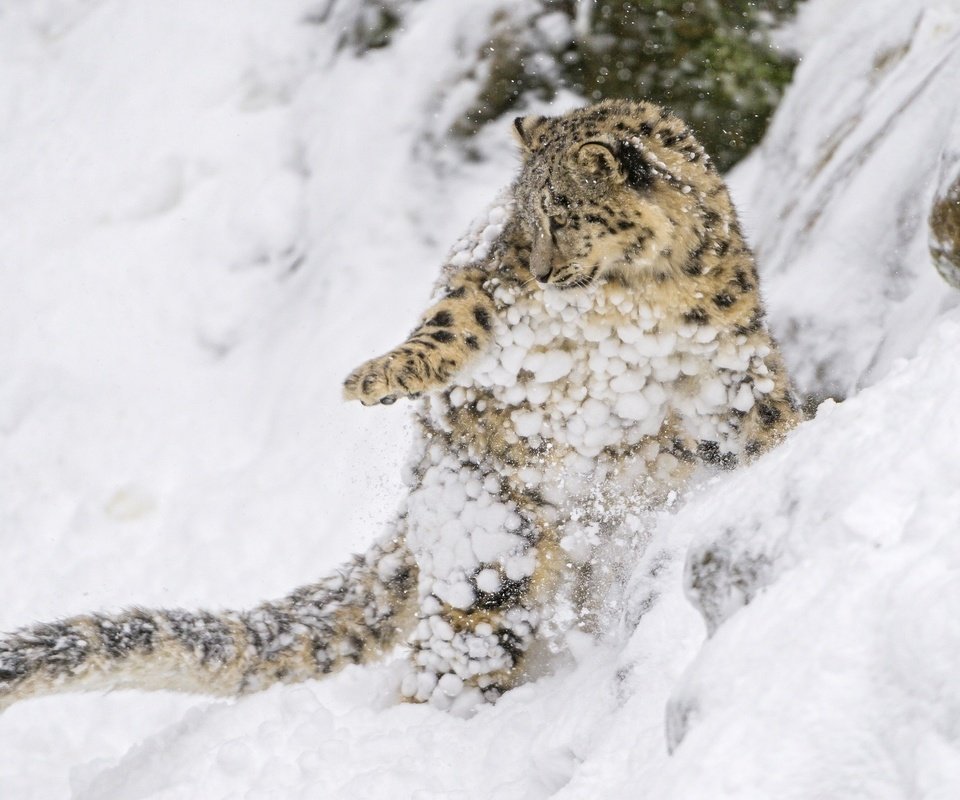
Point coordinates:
[(839, 215)]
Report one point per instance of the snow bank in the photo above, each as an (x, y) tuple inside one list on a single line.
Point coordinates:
[(826, 573), (841, 671), (838, 195)]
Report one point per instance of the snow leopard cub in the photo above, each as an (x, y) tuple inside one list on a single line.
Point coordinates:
[(596, 338)]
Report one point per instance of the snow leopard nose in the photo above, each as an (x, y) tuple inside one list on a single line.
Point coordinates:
[(541, 256)]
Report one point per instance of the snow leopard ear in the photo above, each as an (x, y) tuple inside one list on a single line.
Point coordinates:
[(524, 129), (598, 162)]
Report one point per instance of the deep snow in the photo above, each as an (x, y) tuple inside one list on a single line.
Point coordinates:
[(210, 217)]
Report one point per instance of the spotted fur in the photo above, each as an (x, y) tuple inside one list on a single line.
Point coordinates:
[(595, 341)]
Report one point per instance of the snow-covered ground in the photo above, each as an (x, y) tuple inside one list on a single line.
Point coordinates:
[(210, 215), (838, 196)]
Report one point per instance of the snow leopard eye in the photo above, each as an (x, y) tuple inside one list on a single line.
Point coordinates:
[(639, 172), (556, 206)]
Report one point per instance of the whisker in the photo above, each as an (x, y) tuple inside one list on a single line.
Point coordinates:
[(528, 283)]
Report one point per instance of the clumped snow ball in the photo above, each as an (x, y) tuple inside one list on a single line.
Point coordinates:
[(587, 371), (471, 545), (476, 244)]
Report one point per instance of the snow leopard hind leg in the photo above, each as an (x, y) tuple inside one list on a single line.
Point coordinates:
[(491, 579), (350, 617)]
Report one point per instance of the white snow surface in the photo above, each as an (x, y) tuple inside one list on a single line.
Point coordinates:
[(837, 197), (210, 217)]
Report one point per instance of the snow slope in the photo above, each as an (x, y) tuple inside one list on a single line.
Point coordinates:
[(211, 214), (839, 193), (851, 558)]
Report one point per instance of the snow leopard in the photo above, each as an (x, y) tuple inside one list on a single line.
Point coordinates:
[(597, 341)]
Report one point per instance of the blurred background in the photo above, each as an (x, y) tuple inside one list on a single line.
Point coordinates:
[(714, 63)]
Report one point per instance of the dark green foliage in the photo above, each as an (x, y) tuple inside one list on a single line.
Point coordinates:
[(506, 79), (710, 61)]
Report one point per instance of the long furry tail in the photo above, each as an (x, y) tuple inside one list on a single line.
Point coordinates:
[(350, 617)]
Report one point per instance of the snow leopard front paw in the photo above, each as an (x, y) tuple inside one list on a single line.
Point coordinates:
[(382, 380)]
